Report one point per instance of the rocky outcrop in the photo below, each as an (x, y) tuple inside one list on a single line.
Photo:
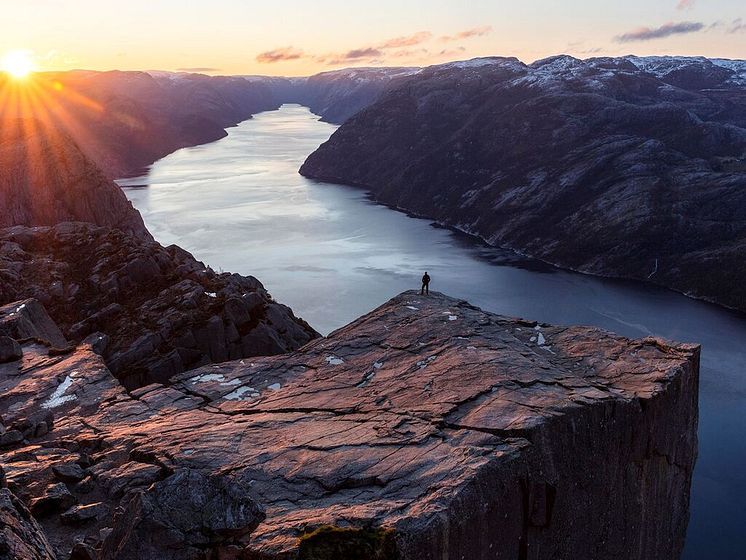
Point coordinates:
[(617, 167), (21, 537), (425, 429), (46, 179), (181, 517), (152, 311)]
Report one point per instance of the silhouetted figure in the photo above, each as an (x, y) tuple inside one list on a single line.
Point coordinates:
[(425, 285)]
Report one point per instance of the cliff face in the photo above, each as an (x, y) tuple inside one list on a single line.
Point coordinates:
[(622, 167), (425, 429), (46, 179), (156, 311)]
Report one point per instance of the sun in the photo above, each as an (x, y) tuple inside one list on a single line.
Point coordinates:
[(18, 63)]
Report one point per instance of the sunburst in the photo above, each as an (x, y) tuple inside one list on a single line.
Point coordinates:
[(18, 63)]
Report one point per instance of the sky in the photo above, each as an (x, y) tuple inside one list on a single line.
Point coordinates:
[(294, 37)]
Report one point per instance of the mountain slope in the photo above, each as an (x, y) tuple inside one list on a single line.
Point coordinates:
[(595, 165), (46, 179), (124, 121)]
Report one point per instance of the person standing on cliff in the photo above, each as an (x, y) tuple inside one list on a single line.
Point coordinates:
[(425, 284)]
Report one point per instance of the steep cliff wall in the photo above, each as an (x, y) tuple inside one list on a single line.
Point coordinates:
[(46, 179)]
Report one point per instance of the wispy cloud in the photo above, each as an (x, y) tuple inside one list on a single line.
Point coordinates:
[(737, 26), (279, 55), (685, 5), (407, 41), (198, 69), (378, 50), (375, 53), (665, 30), (468, 33), (365, 52), (579, 47), (455, 51)]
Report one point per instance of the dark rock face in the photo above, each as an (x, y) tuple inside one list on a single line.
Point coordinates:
[(152, 311), (10, 350), (46, 179), (21, 537), (27, 319), (180, 518), (425, 429), (599, 165)]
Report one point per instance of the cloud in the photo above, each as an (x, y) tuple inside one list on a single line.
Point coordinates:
[(456, 51), (279, 55), (407, 41), (579, 47), (365, 52), (198, 69), (685, 5), (468, 33), (396, 47), (737, 26), (665, 30), (409, 53)]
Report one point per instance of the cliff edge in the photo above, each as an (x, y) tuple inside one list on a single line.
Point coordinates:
[(425, 429)]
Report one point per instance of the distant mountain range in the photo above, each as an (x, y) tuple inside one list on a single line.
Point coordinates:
[(125, 121), (630, 167), (626, 167)]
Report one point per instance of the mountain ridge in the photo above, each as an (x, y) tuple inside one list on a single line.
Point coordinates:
[(593, 165)]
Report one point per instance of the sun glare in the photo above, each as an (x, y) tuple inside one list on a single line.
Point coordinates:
[(18, 64)]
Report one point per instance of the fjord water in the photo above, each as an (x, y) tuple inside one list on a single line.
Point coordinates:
[(240, 205)]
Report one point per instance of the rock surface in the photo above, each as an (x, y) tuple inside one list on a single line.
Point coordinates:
[(46, 179), (10, 350), (425, 429), (180, 517), (21, 537), (620, 167), (152, 311)]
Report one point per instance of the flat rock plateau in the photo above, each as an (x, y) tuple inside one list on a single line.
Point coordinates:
[(424, 429)]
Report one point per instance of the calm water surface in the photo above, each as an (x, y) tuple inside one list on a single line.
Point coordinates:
[(239, 205)]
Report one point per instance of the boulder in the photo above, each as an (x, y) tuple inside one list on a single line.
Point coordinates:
[(55, 499), (27, 318), (68, 472), (83, 513), (10, 350), (180, 517)]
